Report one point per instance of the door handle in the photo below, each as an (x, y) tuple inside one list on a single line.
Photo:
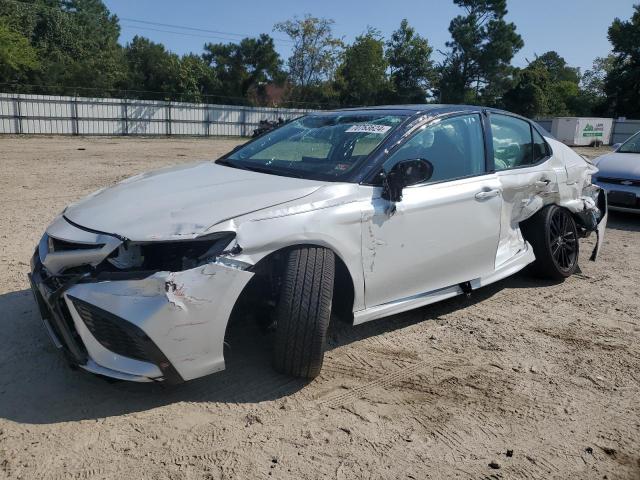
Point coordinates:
[(542, 183), (483, 195)]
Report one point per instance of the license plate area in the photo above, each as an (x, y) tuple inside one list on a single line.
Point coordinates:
[(626, 199)]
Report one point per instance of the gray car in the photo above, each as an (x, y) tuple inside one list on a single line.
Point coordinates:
[(620, 175)]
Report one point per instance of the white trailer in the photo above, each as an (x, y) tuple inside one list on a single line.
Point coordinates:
[(581, 131)]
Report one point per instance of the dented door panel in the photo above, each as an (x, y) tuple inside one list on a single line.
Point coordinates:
[(438, 236)]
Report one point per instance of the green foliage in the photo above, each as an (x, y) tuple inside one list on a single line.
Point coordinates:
[(546, 87), (412, 70), (362, 76), (477, 66), (76, 42), (151, 67), (315, 56), (593, 98), (17, 56), (71, 47), (622, 82), (244, 66)]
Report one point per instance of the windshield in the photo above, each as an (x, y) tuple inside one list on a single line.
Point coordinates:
[(632, 145), (318, 147)]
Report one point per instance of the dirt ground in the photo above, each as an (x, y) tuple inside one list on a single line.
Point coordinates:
[(541, 378)]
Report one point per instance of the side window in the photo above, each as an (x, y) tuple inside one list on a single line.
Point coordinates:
[(454, 146), (540, 149), (512, 142)]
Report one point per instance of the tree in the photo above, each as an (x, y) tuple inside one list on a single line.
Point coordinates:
[(593, 97), (195, 79), (528, 97), (151, 68), (362, 75), (316, 53), (240, 67), (17, 56), (562, 85), (547, 86), (477, 67), (622, 82), (412, 70), (76, 42)]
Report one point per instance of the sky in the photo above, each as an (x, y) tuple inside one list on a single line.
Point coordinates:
[(576, 29)]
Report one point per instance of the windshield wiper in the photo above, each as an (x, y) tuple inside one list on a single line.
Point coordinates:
[(256, 168), (259, 169)]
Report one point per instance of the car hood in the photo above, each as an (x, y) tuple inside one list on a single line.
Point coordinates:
[(184, 201), (619, 165)]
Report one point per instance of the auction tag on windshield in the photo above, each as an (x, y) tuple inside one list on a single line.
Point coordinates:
[(368, 128)]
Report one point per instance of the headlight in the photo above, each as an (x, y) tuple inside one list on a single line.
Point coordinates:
[(172, 256)]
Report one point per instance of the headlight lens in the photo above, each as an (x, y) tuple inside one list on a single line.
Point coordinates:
[(172, 256)]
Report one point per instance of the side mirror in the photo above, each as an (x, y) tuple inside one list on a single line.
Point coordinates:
[(616, 146), (404, 174)]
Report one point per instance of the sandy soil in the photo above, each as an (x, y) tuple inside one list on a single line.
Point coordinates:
[(541, 378)]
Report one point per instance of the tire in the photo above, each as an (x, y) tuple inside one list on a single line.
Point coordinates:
[(303, 312), (553, 234)]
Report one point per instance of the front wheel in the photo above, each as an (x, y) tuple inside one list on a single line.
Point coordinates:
[(303, 311), (553, 235)]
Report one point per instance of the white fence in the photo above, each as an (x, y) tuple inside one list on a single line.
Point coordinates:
[(53, 115), (622, 129)]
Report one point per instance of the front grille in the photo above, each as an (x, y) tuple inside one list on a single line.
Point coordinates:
[(113, 332), (124, 338), (54, 310), (620, 181)]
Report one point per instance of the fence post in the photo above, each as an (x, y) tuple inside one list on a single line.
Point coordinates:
[(168, 132), (207, 120), (125, 118), (18, 114), (74, 116)]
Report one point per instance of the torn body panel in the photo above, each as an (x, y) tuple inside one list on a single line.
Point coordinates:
[(166, 322), (184, 313), (564, 179)]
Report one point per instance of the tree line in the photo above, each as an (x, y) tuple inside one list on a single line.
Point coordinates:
[(70, 47)]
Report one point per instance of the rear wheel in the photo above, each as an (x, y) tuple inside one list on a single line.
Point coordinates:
[(303, 311), (553, 235)]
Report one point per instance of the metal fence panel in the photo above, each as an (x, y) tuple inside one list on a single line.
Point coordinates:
[(623, 129), (56, 115)]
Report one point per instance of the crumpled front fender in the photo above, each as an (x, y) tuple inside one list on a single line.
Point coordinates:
[(184, 313)]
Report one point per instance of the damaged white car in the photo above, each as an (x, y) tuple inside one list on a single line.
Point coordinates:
[(361, 213)]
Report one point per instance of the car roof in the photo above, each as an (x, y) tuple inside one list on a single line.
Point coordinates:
[(414, 109)]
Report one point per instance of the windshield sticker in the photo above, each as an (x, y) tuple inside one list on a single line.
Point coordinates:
[(368, 128)]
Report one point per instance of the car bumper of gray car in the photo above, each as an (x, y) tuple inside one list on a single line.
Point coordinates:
[(623, 195)]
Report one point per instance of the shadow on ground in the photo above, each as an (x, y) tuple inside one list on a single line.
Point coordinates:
[(628, 222), (36, 385)]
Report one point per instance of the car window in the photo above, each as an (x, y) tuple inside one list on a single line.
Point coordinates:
[(540, 148), (454, 146), (512, 142), (319, 147), (632, 145)]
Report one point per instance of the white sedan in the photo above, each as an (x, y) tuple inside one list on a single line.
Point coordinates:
[(362, 213)]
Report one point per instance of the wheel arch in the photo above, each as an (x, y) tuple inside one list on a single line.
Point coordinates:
[(253, 296)]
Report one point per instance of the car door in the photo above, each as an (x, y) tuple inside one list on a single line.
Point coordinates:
[(443, 232), (520, 157)]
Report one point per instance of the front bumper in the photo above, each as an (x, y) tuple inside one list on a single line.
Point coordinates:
[(158, 326), (622, 198)]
